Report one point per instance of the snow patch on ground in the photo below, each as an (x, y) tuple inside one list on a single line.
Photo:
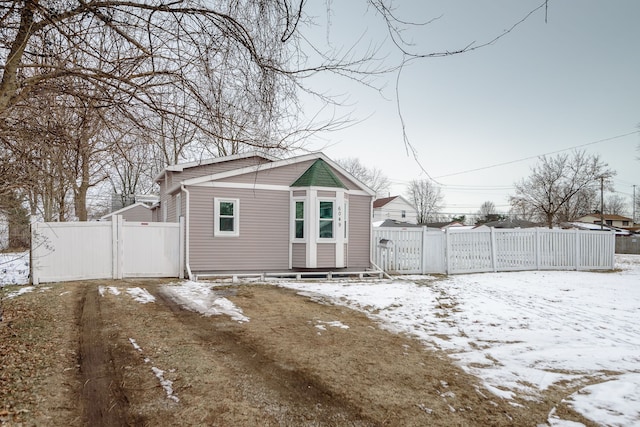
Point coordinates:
[(322, 325), (14, 268), (141, 295), (111, 289), (166, 384), (20, 291), (202, 298)]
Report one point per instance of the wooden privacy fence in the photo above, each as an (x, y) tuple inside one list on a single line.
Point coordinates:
[(419, 250), (62, 251)]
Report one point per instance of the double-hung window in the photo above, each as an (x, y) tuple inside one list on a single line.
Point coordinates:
[(326, 219), (226, 217), (299, 220)]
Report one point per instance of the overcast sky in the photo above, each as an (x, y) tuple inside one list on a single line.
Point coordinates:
[(544, 87)]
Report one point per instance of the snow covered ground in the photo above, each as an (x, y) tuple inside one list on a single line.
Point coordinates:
[(14, 268), (522, 332)]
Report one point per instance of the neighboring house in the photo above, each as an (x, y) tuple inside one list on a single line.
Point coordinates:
[(597, 227), (394, 207), (138, 212), (510, 223), (254, 213), (395, 223), (612, 220), (444, 225)]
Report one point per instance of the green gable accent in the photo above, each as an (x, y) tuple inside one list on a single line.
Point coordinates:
[(319, 174)]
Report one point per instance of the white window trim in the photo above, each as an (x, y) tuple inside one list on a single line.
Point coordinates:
[(333, 220), (216, 217), (345, 221), (305, 220)]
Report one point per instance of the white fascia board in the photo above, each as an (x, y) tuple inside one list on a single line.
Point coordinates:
[(335, 189), (242, 185), (126, 208)]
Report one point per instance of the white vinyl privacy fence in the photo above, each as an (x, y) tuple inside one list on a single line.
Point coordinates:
[(62, 251), (419, 250)]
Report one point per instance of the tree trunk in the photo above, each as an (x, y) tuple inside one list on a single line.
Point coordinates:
[(80, 196), (9, 83), (18, 221), (550, 220)]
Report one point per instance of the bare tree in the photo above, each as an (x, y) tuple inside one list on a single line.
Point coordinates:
[(427, 198), (555, 182), (488, 213), (585, 201), (373, 178), (615, 204)]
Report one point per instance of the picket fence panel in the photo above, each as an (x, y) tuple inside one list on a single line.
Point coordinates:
[(489, 249), (66, 251)]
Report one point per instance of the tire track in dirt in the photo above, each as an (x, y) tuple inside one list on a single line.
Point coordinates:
[(284, 385), (104, 403)]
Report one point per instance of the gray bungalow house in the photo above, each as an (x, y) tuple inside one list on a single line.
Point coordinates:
[(254, 213)]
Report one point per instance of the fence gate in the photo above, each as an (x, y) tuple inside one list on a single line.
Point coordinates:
[(65, 251), (409, 250)]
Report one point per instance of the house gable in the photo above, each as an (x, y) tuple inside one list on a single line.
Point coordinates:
[(394, 207), (319, 174)]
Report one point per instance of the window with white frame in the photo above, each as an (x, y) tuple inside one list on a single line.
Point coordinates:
[(326, 219), (226, 217), (299, 220)]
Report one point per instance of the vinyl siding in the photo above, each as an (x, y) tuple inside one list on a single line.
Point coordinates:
[(263, 243), (171, 209), (359, 231), (204, 170), (163, 200), (323, 193), (326, 255), (299, 256), (137, 214)]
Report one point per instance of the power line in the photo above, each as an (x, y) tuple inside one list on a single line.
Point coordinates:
[(537, 156)]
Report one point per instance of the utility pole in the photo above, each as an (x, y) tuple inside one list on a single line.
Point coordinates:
[(601, 202), (633, 217)]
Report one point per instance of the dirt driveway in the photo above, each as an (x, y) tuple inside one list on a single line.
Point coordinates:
[(70, 355)]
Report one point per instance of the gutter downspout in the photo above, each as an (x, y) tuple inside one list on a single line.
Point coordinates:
[(186, 232)]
